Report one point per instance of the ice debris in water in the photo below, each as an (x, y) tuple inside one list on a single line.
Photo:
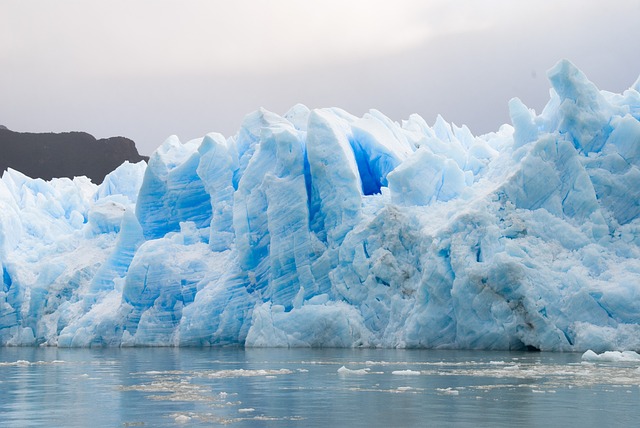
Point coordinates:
[(343, 371), (322, 229), (448, 391), (611, 356), (405, 372), (182, 419)]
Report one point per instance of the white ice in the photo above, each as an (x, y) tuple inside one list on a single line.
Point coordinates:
[(611, 356)]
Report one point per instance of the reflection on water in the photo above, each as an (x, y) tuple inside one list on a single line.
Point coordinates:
[(303, 387)]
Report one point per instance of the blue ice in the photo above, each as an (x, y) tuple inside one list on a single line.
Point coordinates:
[(321, 229)]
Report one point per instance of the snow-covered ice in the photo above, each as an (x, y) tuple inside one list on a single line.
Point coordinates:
[(321, 229)]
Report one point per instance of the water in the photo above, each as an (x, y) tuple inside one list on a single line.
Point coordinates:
[(44, 387)]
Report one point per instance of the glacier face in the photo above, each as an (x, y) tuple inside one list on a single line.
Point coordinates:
[(319, 228)]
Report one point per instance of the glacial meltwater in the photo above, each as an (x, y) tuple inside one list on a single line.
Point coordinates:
[(195, 387)]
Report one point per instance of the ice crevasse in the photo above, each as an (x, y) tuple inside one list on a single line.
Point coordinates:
[(321, 229)]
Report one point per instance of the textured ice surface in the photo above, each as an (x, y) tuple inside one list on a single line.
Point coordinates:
[(319, 228)]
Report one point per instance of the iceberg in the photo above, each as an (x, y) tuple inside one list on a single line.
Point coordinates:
[(611, 357), (321, 229)]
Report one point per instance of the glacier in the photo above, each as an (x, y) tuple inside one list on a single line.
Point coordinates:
[(322, 229)]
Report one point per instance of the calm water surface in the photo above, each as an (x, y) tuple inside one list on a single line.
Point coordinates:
[(45, 387)]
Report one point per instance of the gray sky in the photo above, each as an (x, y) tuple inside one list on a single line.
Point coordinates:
[(147, 69)]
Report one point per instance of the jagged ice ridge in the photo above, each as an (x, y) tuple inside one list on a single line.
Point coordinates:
[(319, 228)]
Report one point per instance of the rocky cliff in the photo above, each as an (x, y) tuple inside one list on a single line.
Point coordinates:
[(68, 154)]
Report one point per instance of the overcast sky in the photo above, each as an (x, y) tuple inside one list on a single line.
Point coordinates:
[(148, 69)]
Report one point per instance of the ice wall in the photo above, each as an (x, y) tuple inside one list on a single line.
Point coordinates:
[(319, 228)]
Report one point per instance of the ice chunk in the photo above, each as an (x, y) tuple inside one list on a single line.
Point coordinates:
[(336, 196), (583, 111), (128, 242), (553, 177), (124, 180), (172, 191), (343, 371), (426, 178), (218, 162), (377, 151), (271, 216), (334, 325), (611, 356), (525, 129), (298, 115), (405, 373)]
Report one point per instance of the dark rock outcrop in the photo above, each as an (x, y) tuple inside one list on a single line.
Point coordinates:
[(68, 154)]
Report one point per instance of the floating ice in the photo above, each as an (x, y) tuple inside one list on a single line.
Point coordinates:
[(448, 391), (343, 371), (182, 419), (611, 356), (245, 373), (405, 372), (322, 229)]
